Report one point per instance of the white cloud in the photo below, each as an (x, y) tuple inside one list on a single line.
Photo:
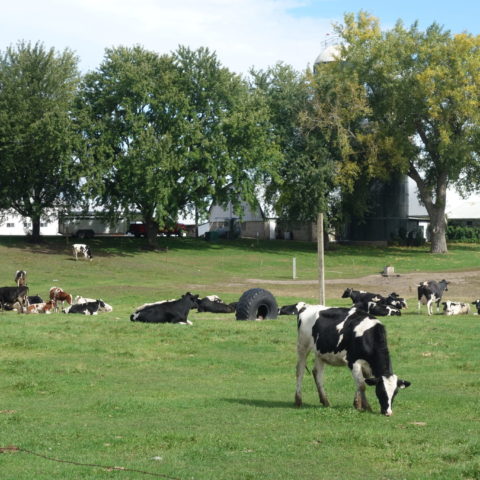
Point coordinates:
[(244, 33)]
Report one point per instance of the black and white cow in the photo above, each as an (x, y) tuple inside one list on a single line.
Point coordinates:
[(455, 308), (82, 249), (381, 310), (431, 292), (477, 305), (35, 299), (89, 308), (361, 299), (288, 310), (11, 295), (20, 278), (215, 305), (346, 337), (175, 311)]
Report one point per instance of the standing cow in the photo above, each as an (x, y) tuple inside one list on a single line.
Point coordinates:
[(431, 292), (346, 337), (20, 278), (82, 249)]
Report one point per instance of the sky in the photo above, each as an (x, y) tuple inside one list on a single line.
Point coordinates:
[(243, 33)]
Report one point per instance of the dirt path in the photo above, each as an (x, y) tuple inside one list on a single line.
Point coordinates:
[(463, 285)]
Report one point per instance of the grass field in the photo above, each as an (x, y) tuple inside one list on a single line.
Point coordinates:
[(215, 400)]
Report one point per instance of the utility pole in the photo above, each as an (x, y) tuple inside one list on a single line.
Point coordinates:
[(321, 264)]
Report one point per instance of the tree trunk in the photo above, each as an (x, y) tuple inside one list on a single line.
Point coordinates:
[(435, 209), (151, 232), (438, 230), (35, 229)]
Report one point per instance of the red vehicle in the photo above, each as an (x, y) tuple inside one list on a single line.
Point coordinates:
[(139, 230)]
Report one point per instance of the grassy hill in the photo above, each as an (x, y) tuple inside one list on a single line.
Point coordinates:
[(215, 400)]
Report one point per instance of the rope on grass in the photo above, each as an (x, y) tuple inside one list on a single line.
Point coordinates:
[(14, 448)]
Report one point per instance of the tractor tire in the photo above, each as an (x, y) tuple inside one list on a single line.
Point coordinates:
[(256, 304)]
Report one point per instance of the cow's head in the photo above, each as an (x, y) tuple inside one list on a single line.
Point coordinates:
[(347, 293), (386, 388)]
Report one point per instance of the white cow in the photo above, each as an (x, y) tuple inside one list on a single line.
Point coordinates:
[(82, 249), (455, 308)]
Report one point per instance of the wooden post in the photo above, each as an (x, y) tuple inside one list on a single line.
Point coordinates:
[(294, 268), (321, 265)]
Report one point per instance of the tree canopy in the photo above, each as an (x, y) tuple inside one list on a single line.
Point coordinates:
[(37, 138), (404, 101), (166, 133)]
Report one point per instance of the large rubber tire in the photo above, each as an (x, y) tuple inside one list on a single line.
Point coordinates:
[(256, 303)]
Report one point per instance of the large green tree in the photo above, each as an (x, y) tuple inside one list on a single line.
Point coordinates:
[(404, 101), (37, 138), (305, 180), (166, 133)]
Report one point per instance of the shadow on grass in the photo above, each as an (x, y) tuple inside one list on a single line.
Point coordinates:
[(251, 402)]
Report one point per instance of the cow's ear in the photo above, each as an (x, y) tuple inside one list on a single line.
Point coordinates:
[(403, 383), (372, 381)]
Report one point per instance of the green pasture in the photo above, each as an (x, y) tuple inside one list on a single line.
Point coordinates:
[(81, 395)]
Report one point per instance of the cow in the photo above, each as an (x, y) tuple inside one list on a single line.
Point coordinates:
[(455, 308), (288, 310), (20, 278), (82, 249), (394, 300), (175, 311), (80, 299), (381, 310), (214, 306), (12, 295), (89, 308), (477, 305), (58, 295), (41, 307), (361, 298), (431, 292), (35, 299), (346, 337)]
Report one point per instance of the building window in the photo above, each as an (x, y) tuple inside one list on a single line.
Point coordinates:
[(10, 225), (43, 224), (27, 224)]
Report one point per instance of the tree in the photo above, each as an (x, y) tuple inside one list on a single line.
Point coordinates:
[(286, 94), (168, 132), (404, 101), (37, 138)]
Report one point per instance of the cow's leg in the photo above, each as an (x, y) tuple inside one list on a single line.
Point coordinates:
[(302, 354), (360, 401), (318, 369), (429, 306)]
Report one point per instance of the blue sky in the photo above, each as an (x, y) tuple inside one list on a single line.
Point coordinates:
[(243, 33), (456, 16)]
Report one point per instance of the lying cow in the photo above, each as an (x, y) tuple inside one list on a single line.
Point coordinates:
[(288, 310), (216, 305), (431, 292), (42, 307), (11, 295), (455, 308), (175, 311), (89, 308), (381, 310), (82, 249), (35, 299), (346, 337)]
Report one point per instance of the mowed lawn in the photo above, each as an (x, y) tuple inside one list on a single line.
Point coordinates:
[(215, 400)]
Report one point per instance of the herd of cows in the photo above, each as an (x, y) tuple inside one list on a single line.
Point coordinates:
[(339, 336)]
